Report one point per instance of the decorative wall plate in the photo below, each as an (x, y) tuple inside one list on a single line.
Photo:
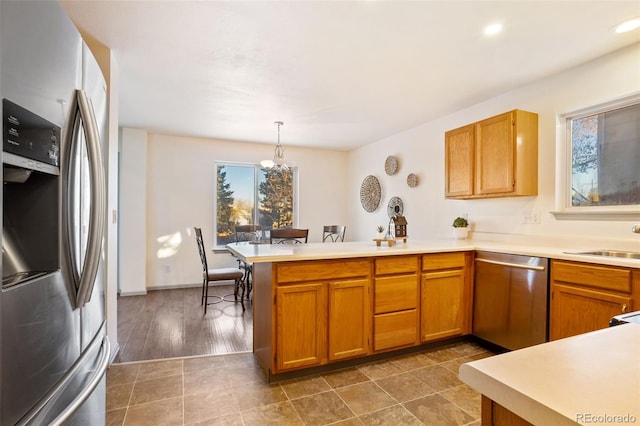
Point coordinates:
[(370, 193), (395, 207), (412, 180), (391, 165)]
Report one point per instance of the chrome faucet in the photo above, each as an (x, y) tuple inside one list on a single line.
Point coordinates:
[(636, 228)]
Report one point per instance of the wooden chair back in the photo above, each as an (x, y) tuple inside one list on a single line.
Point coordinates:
[(246, 232), (333, 233), (289, 236), (201, 250)]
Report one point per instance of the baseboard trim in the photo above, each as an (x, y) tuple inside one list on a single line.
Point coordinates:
[(173, 287)]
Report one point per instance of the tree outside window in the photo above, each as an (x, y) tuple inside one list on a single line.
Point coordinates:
[(248, 194), (605, 154)]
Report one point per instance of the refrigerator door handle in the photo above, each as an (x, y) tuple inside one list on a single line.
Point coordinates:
[(84, 278), (98, 374)]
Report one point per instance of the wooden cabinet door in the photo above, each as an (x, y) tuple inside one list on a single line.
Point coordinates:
[(576, 310), (459, 161), (395, 293), (495, 155), (442, 304), (301, 325), (349, 319), (395, 329)]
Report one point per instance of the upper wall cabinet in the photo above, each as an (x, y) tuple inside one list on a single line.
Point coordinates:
[(495, 157)]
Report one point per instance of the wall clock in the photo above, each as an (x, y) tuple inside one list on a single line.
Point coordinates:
[(391, 165), (370, 193), (395, 207)]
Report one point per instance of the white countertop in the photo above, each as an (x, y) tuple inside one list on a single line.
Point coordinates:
[(567, 381), (316, 251)]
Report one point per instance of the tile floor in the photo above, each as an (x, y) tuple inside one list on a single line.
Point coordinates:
[(416, 389)]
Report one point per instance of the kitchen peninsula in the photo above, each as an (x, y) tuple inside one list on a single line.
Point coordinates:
[(319, 304)]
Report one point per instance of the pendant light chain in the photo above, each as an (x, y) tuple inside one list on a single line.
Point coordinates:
[(278, 162)]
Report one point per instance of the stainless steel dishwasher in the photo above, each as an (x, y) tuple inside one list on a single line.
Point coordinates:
[(510, 304)]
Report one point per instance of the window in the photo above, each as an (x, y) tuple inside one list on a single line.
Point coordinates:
[(248, 194), (602, 159)]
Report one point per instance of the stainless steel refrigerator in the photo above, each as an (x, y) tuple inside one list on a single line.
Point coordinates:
[(53, 346)]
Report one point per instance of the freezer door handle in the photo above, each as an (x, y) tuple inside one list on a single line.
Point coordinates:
[(84, 278), (86, 392)]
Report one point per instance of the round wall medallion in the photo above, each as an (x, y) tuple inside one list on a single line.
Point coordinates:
[(391, 165), (370, 193), (412, 180), (395, 207)]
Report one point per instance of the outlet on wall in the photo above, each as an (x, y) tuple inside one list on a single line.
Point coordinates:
[(530, 217)]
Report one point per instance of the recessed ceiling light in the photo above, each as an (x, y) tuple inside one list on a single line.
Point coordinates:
[(626, 26), (492, 29)]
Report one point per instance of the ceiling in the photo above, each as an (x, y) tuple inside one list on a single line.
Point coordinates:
[(339, 74)]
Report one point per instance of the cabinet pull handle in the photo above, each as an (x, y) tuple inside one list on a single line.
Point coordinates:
[(624, 308)]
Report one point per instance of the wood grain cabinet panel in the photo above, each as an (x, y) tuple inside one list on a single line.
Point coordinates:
[(396, 302), (301, 331), (584, 296), (442, 304), (446, 295), (396, 329), (459, 148), (349, 319), (322, 315), (319, 270), (395, 265), (495, 157), (439, 261), (396, 293), (576, 310)]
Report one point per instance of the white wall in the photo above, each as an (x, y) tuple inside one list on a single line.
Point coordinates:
[(176, 192), (133, 212), (161, 206), (421, 151)]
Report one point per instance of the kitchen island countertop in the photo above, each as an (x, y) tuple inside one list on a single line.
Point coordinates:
[(259, 253), (585, 379)]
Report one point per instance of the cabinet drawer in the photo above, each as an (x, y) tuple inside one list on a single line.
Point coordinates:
[(603, 277), (320, 270), (396, 264), (443, 261), (395, 329), (395, 293)]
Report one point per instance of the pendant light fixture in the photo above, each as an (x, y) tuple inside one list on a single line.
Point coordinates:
[(278, 156)]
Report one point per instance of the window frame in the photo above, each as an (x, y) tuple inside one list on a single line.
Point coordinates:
[(256, 179), (563, 208)]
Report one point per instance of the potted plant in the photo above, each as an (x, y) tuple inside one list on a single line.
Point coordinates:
[(460, 228), (380, 232)]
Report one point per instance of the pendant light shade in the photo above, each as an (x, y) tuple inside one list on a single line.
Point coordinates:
[(278, 162)]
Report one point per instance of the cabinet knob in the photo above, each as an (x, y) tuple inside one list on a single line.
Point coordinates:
[(624, 308)]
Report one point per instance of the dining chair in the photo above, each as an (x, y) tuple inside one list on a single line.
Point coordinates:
[(218, 274), (333, 233), (246, 233), (289, 236)]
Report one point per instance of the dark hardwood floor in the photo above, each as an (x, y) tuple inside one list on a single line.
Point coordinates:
[(171, 324)]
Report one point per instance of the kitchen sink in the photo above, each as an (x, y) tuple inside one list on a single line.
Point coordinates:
[(610, 253)]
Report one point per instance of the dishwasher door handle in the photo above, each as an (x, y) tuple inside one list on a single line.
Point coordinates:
[(512, 265)]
